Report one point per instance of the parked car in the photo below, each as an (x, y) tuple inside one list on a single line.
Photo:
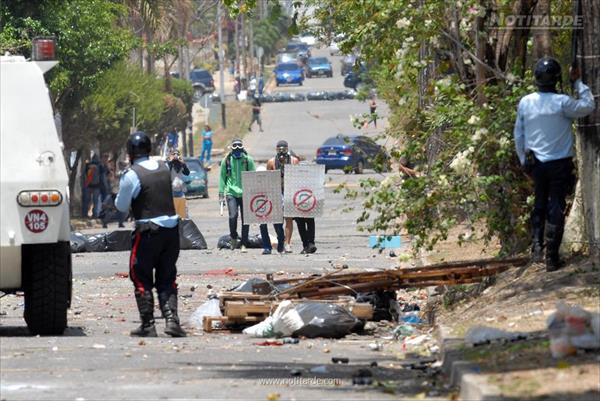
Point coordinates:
[(347, 62), (197, 182), (320, 66), (202, 80), (352, 153), (301, 48), (291, 57), (288, 73), (354, 79)]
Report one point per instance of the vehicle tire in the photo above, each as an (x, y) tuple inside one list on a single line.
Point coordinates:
[(360, 167), (47, 285), (276, 83), (300, 84), (326, 170)]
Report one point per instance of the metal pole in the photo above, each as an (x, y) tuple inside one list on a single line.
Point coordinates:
[(221, 66)]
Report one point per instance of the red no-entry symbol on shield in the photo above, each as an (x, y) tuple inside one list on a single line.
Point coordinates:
[(304, 200), (261, 206)]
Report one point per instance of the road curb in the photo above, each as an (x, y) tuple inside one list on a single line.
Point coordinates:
[(464, 374)]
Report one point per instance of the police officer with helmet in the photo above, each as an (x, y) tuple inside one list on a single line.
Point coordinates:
[(146, 187), (544, 144)]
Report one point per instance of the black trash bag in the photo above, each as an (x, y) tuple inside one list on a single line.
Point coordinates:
[(297, 97), (118, 241), (325, 320), (190, 236), (349, 94), (224, 242), (78, 242), (254, 242), (260, 286), (385, 306), (318, 95), (95, 243), (336, 95)]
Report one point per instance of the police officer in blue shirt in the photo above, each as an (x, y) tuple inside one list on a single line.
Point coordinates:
[(146, 187), (544, 144)]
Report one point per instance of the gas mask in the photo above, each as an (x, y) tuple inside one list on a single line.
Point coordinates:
[(237, 150), (282, 154)]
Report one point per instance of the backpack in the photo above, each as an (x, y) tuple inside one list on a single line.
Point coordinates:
[(92, 175)]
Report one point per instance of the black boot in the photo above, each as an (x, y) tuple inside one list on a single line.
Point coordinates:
[(145, 304), (554, 235), (537, 248), (168, 306)]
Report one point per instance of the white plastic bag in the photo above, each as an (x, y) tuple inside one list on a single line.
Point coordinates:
[(286, 319), (263, 329), (209, 308)]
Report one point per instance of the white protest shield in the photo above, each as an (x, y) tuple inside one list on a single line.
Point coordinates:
[(304, 190), (262, 197)]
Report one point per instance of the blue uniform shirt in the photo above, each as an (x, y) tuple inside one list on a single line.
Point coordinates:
[(129, 189), (544, 123)]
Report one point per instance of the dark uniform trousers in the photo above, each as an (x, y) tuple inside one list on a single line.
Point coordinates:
[(554, 181), (155, 250)]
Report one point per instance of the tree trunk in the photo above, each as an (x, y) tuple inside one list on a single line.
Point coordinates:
[(480, 43), (589, 127), (542, 40)]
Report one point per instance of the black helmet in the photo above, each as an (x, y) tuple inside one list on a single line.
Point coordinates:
[(138, 145), (547, 72)]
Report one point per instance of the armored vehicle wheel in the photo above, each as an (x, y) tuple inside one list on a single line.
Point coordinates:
[(47, 284)]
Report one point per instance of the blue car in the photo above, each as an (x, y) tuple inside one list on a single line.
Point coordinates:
[(289, 73), (352, 153), (319, 66), (197, 182)]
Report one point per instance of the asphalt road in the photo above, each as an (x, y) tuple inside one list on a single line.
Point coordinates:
[(306, 125), (97, 360)]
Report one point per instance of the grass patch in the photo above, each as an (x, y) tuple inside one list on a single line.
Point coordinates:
[(238, 116)]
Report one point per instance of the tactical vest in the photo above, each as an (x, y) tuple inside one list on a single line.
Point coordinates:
[(156, 196)]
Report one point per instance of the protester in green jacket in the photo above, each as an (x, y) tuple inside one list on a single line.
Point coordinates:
[(230, 188)]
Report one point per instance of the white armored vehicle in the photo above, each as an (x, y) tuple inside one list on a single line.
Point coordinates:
[(35, 253)]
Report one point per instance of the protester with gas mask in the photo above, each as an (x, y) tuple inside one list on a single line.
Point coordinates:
[(544, 145), (283, 157), (230, 189)]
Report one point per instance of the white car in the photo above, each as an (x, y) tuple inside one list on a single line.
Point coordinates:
[(35, 250), (308, 39)]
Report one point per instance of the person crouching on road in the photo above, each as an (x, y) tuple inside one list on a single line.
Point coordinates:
[(283, 157), (230, 189), (146, 187), (544, 144)]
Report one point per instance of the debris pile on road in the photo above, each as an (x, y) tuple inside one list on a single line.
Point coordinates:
[(366, 295), (190, 237), (276, 97), (572, 328)]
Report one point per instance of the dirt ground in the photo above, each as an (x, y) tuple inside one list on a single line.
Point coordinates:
[(522, 299)]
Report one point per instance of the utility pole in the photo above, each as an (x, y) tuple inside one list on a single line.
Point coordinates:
[(221, 65), (251, 40)]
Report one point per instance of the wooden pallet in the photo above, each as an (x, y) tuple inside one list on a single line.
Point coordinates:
[(239, 309)]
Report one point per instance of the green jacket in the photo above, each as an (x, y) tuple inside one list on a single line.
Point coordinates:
[(230, 183)]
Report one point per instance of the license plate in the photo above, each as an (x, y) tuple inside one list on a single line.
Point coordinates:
[(289, 79), (332, 153)]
